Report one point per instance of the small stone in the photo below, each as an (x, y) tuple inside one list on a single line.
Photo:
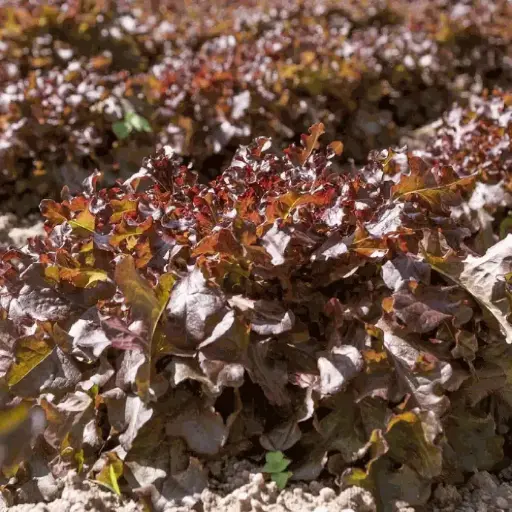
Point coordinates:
[(244, 502), (258, 479), (483, 480), (19, 236), (243, 496), (237, 482), (506, 474), (321, 509), (265, 498), (484, 496), (327, 494), (298, 491), (502, 503), (347, 510), (315, 487), (446, 495), (256, 506), (6, 221), (207, 496), (272, 488), (216, 468), (188, 501), (359, 499)]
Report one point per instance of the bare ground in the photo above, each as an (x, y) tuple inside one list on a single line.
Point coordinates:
[(238, 486)]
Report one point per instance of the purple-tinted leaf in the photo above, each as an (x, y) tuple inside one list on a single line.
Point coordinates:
[(270, 375), (201, 427), (399, 271), (228, 341), (270, 318), (193, 307), (282, 437), (88, 334), (421, 311), (275, 241), (338, 367)]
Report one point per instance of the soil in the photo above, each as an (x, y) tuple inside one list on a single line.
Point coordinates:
[(16, 231), (238, 486)]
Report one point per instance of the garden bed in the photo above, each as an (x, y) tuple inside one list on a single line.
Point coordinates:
[(232, 305)]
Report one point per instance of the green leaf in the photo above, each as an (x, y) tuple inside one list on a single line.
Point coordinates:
[(83, 277), (377, 448), (387, 480), (122, 129), (276, 462), (79, 459), (140, 295), (84, 220), (12, 417), (147, 305), (137, 122), (411, 437), (281, 479), (111, 472), (505, 227), (125, 231), (474, 440), (29, 353), (120, 207)]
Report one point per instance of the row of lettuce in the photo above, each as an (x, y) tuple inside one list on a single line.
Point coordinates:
[(98, 85), (356, 320)]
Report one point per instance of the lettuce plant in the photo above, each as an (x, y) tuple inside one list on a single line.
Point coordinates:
[(339, 317), (211, 75)]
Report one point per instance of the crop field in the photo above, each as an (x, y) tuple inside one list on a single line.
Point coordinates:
[(264, 234)]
